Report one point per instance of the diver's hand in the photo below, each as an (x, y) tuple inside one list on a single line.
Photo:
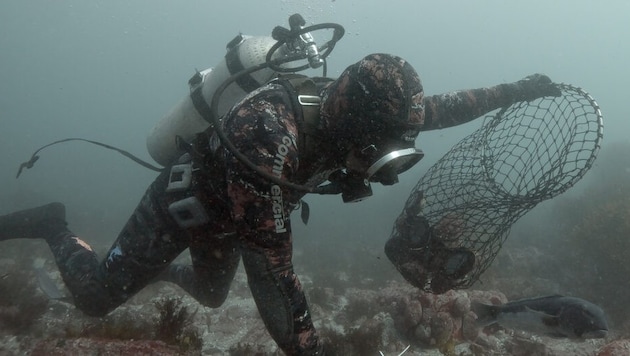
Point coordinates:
[(536, 86)]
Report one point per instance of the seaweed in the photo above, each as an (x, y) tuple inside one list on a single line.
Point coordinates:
[(173, 324), (447, 347), (246, 350), (121, 326)]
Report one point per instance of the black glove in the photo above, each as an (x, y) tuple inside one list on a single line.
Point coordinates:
[(536, 86)]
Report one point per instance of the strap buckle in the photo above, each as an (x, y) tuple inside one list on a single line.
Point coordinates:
[(188, 212), (309, 100), (180, 177)]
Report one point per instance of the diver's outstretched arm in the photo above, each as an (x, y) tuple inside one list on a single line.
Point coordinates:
[(458, 107)]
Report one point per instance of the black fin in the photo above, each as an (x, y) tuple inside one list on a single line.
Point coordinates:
[(486, 314), (47, 285)]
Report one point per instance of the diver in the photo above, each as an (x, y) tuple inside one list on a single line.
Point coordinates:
[(211, 203)]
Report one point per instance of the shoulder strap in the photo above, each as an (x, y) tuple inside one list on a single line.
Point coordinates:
[(305, 93), (310, 101)]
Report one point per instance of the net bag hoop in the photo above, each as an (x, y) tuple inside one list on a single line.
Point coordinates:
[(522, 155)]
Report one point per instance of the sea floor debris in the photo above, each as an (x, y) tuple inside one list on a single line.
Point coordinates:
[(354, 316), (393, 318)]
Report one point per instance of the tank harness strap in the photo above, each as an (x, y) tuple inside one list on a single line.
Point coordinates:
[(305, 92), (196, 95), (233, 61)]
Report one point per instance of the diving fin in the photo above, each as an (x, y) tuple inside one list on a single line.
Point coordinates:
[(48, 286)]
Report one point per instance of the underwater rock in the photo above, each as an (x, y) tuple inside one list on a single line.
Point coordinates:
[(469, 330), (461, 305), (487, 344), (518, 346), (360, 320), (442, 327), (434, 319), (407, 316), (360, 304), (85, 346), (615, 348)]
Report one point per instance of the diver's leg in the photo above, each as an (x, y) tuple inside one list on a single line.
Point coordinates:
[(148, 243), (41, 222), (208, 280), (150, 240), (75, 258)]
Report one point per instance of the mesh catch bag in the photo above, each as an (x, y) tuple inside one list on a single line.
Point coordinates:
[(522, 155)]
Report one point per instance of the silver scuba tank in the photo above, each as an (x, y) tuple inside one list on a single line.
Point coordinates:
[(185, 121)]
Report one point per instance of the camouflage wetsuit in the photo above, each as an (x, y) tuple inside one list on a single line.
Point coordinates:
[(243, 215)]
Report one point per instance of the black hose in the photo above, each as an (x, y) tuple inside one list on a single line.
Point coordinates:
[(273, 64)]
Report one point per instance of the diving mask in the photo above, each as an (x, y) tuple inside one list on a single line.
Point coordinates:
[(354, 183), (387, 168), (384, 168)]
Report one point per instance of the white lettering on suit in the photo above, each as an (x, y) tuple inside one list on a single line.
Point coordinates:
[(277, 205)]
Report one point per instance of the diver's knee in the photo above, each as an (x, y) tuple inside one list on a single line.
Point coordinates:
[(95, 302), (214, 299)]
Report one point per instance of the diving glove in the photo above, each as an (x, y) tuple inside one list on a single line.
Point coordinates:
[(535, 86)]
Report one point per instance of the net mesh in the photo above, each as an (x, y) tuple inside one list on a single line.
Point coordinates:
[(522, 155)]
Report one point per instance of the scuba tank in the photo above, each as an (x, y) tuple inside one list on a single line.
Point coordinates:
[(249, 63), (184, 119)]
